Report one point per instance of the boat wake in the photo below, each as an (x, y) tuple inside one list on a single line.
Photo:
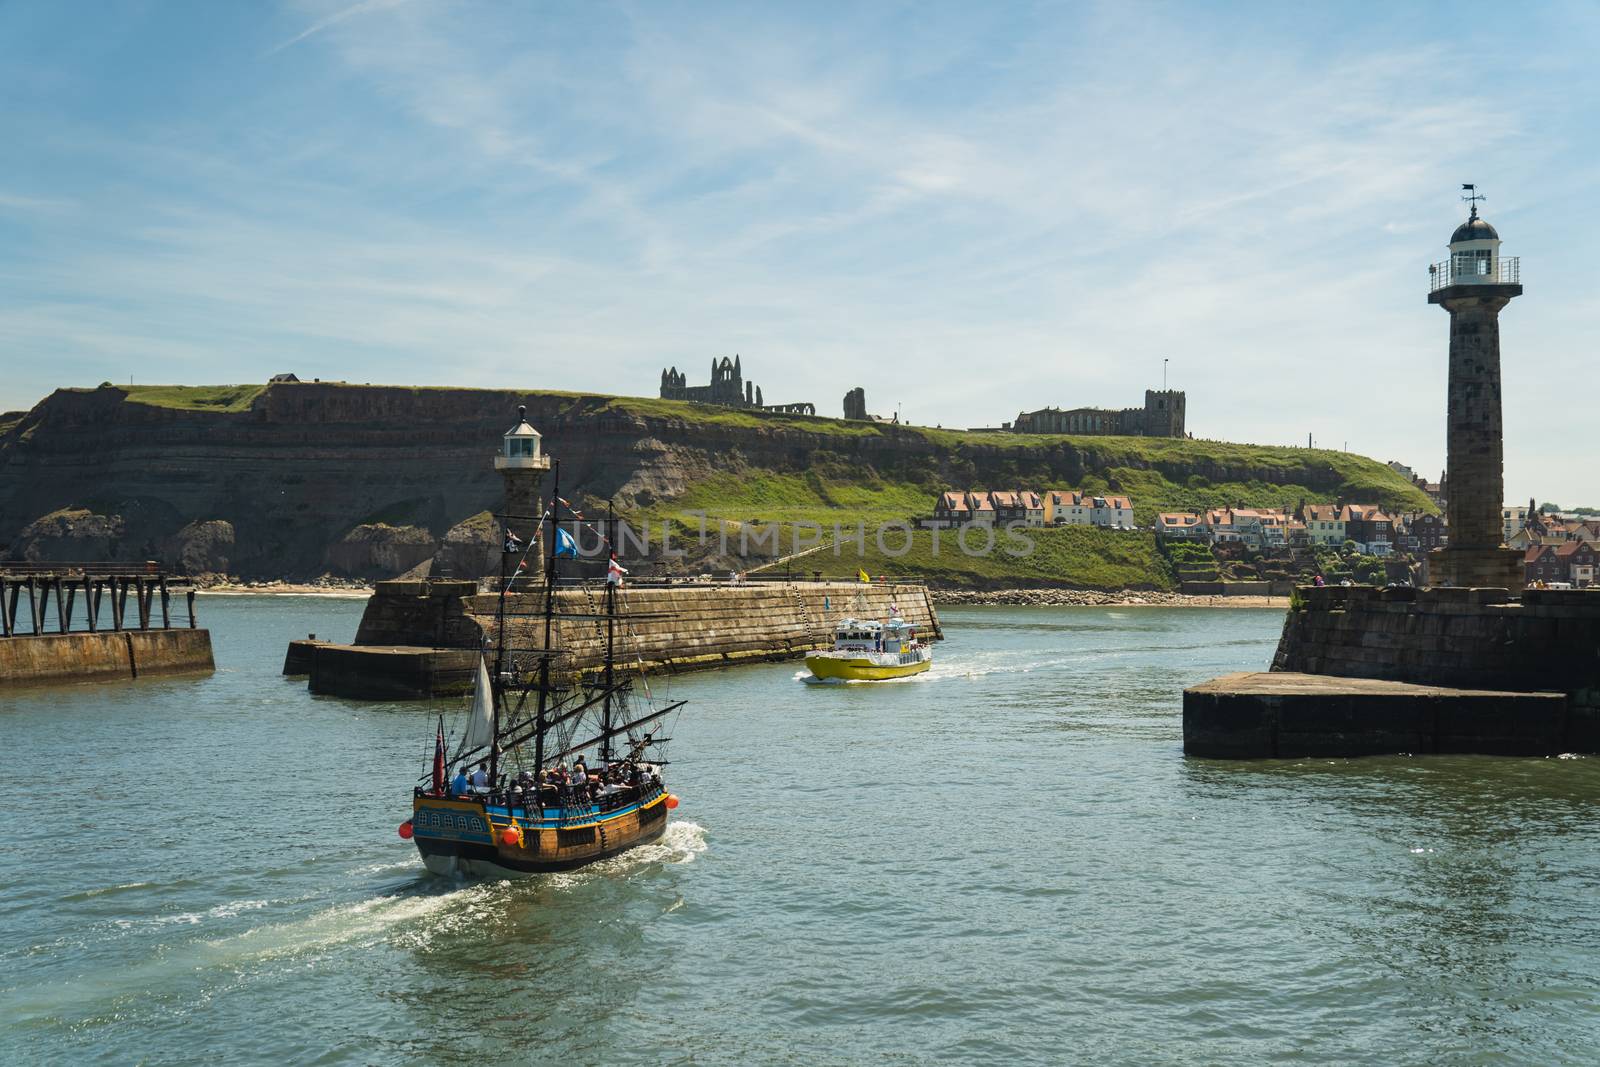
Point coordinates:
[(679, 843)]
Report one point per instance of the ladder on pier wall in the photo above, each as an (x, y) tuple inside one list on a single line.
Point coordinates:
[(803, 609)]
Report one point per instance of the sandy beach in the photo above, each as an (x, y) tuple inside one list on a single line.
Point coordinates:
[(1088, 598), (286, 589)]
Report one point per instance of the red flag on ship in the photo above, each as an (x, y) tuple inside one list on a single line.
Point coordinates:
[(438, 760), (615, 571)]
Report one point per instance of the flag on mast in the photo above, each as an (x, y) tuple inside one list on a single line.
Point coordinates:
[(565, 544), (615, 571)]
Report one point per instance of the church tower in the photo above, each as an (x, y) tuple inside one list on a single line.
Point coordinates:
[(1473, 285)]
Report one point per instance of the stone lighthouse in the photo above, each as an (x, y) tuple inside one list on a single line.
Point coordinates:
[(521, 466), (1473, 285)]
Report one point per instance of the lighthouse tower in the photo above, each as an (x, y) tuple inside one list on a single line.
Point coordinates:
[(521, 467), (1473, 285)]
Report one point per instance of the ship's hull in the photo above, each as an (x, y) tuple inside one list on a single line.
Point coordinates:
[(862, 668), (466, 839)]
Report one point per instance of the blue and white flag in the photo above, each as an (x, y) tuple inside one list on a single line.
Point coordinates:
[(565, 544)]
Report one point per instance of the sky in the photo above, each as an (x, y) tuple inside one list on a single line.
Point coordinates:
[(970, 210)]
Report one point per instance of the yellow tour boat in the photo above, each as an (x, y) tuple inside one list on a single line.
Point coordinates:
[(866, 651)]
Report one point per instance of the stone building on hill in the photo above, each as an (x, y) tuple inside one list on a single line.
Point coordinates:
[(728, 389), (855, 408), (1161, 416)]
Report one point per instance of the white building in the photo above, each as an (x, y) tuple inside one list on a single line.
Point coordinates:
[(1514, 518), (1325, 524)]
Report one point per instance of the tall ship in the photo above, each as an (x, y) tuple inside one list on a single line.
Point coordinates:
[(555, 769), (871, 651)]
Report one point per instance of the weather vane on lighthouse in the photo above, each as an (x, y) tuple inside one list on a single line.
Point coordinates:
[(1472, 197)]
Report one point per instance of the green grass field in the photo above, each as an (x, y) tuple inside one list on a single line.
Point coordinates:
[(194, 397), (1078, 557)]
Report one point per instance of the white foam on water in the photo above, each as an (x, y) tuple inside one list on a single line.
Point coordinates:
[(810, 679), (126, 887), (679, 843), (195, 918), (365, 921), (408, 864)]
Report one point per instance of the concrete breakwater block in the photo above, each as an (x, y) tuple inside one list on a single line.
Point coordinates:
[(374, 672), (1286, 715)]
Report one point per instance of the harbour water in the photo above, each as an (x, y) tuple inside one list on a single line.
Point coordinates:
[(1007, 859)]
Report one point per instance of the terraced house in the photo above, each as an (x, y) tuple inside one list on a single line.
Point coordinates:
[(1067, 507), (1057, 507), (1325, 524)]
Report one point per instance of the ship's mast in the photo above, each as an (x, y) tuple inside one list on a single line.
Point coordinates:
[(499, 665), (611, 634), (549, 621)]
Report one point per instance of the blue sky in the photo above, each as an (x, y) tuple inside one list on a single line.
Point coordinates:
[(968, 209)]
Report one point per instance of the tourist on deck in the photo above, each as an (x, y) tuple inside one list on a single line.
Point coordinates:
[(480, 777), (459, 784)]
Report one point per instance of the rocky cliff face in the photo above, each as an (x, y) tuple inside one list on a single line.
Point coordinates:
[(369, 481)]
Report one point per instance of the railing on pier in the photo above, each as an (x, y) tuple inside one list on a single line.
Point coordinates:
[(106, 589), (526, 585), (1507, 270)]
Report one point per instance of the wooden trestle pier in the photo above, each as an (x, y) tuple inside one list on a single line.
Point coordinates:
[(42, 586)]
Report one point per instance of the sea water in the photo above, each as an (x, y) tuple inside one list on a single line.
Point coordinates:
[(1006, 859)]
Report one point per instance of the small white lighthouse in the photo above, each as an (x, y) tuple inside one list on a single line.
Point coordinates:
[(521, 465)]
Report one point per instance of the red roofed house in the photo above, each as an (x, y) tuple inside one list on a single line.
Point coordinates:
[(1325, 524), (1539, 564), (1007, 506), (1369, 527), (1578, 559), (1113, 511), (1067, 507), (1180, 526), (951, 509)]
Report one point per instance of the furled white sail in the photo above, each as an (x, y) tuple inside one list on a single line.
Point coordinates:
[(480, 725)]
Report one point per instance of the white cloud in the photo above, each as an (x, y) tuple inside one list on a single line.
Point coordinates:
[(1008, 217)]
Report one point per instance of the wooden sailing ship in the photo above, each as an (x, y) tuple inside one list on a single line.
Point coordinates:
[(516, 806)]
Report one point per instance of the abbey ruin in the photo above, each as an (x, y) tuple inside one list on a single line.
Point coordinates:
[(1161, 416), (728, 388)]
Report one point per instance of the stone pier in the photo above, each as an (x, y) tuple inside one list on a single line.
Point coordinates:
[(1360, 670), (417, 638), (1463, 667)]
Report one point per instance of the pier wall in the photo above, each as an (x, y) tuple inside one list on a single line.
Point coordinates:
[(1360, 670), (1467, 638), (104, 656), (409, 629)]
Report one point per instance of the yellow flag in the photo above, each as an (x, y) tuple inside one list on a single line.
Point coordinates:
[(864, 576)]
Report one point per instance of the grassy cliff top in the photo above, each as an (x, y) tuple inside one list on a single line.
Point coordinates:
[(1159, 473), (194, 397)]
